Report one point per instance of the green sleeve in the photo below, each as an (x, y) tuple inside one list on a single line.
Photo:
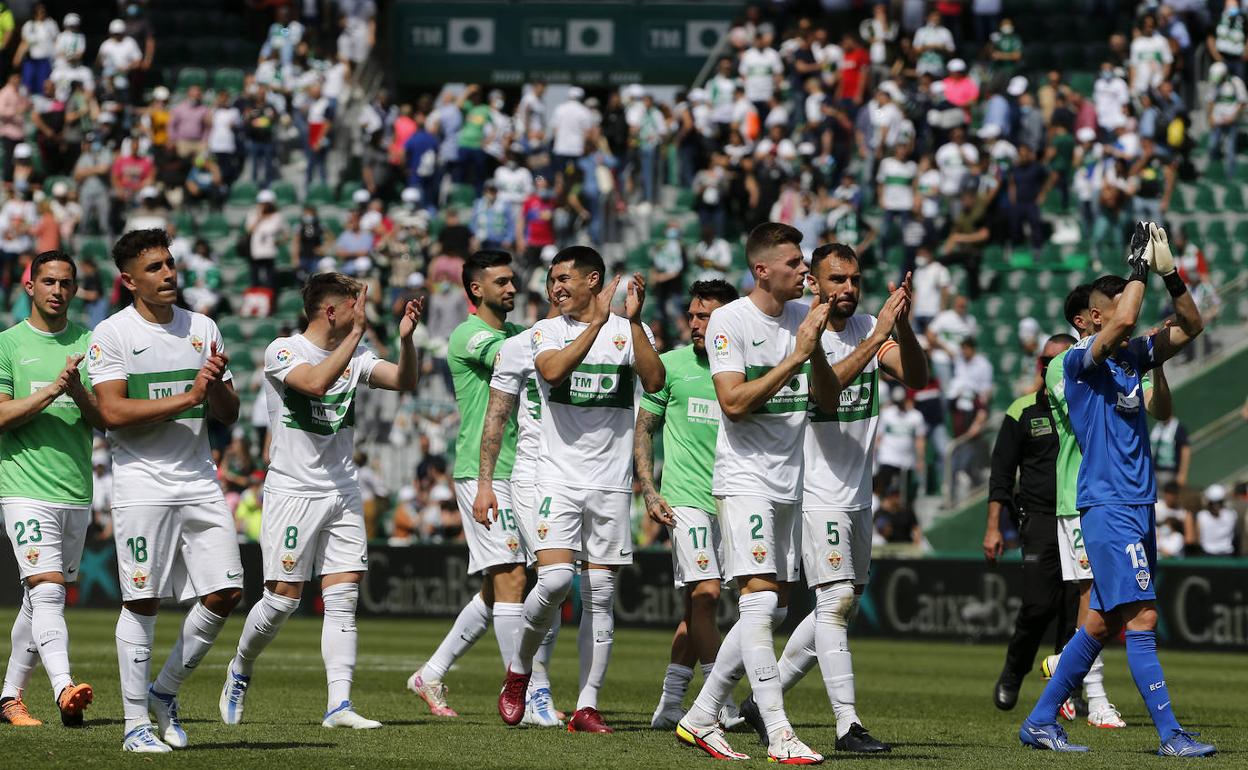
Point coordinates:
[(656, 403), (6, 370)]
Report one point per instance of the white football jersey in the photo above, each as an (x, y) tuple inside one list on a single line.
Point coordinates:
[(514, 375), (839, 446), (168, 462), (587, 422), (760, 454), (313, 445)]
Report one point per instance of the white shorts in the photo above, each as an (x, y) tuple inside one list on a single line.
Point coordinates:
[(697, 547), (595, 523), (524, 508), (761, 537), (302, 537), (1075, 564), (836, 545), (498, 545), (180, 550), (46, 537)]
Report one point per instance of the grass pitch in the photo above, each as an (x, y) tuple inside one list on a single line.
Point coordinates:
[(931, 700)]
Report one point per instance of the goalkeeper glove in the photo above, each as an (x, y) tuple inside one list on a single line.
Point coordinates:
[(1139, 253), (1163, 259)]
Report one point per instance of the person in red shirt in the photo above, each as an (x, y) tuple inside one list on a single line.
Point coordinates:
[(536, 223), (131, 173), (854, 69)]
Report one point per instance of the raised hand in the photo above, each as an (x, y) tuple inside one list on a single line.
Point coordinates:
[(412, 313), (636, 297), (220, 358), (485, 504), (812, 327), (359, 316), (602, 302), (69, 376), (1139, 253), (210, 372), (897, 303), (1162, 258)]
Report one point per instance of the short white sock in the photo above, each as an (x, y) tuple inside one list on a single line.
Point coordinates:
[(261, 627), (597, 637), (759, 656), (338, 640), (717, 688), (675, 684), (541, 608), (135, 634), (47, 605), (1094, 684), (470, 625), (23, 654), (541, 660), (799, 654), (199, 631), (508, 624), (833, 607)]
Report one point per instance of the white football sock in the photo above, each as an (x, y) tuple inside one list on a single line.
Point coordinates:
[(338, 640), (23, 654), (597, 637), (1094, 684), (717, 687), (541, 660), (676, 684), (199, 631), (261, 627), (834, 605), (508, 624), (135, 634), (47, 605), (470, 625), (729, 703), (541, 608), (759, 656), (799, 654)]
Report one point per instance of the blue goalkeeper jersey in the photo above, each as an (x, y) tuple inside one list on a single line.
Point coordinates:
[(1106, 406)]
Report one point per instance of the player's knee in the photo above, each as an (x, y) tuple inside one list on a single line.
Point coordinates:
[(45, 577), (705, 596), (836, 604), (555, 580), (224, 601), (145, 607), (1144, 619)]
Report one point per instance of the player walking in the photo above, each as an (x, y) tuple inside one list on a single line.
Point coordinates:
[(589, 364), (688, 414), (765, 359), (46, 417), (313, 522), (836, 493), (1117, 490), (513, 375), (159, 371), (494, 551)]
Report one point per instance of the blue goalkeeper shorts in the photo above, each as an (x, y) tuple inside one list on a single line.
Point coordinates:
[(1121, 543)]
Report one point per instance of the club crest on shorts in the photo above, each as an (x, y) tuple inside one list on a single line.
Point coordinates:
[(32, 556), (138, 578), (542, 529), (759, 552), (513, 544), (1142, 579), (288, 562), (1083, 561), (703, 561), (619, 341), (835, 559)]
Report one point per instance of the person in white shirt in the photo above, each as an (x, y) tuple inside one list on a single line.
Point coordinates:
[(313, 521), (224, 124), (933, 43), (513, 181), (933, 287), (954, 159), (972, 373), (159, 372), (946, 330), (1224, 111), (119, 54), (1216, 523), (71, 44), (897, 178), (1110, 94), (1169, 506), (37, 49), (530, 122), (1150, 57), (760, 349), (591, 366), (569, 124), (761, 69), (901, 447), (266, 230), (721, 91)]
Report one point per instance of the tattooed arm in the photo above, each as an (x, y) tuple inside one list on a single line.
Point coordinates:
[(497, 413), (643, 460)]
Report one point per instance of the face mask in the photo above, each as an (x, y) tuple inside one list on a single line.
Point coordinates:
[(511, 163), (1106, 74), (673, 233), (546, 194), (309, 219)]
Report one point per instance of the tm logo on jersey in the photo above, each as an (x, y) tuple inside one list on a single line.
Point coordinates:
[(703, 410), (323, 416), (601, 385)]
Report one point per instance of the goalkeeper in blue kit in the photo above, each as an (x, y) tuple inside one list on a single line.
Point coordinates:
[(1117, 489)]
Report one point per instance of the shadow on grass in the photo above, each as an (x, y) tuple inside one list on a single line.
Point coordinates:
[(251, 745)]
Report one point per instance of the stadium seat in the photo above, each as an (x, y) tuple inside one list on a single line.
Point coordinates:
[(191, 76), (345, 192), (290, 305), (228, 79), (1233, 198), (94, 249), (231, 330), (243, 193), (319, 195), (462, 195), (285, 192), (1216, 231), (1206, 199), (215, 226), (334, 226)]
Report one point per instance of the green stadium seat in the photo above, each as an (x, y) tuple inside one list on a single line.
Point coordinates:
[(1206, 198), (462, 195), (1216, 231), (684, 200), (290, 305), (334, 226), (231, 329), (1082, 82), (319, 195), (184, 221), (1179, 201), (215, 226), (48, 182), (94, 249), (345, 192), (191, 76), (228, 79), (1233, 198), (243, 193), (1214, 172), (285, 192)]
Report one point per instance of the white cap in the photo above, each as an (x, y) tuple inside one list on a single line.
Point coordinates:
[(266, 196), (549, 252), (1017, 86), (116, 27), (893, 90), (410, 195), (989, 131), (361, 196), (327, 265), (635, 91), (1217, 71), (370, 221), (1086, 134), (60, 189), (1028, 329), (72, 20), (160, 94), (21, 150), (148, 192), (416, 281), (957, 65), (1215, 493), (806, 148), (576, 92), (106, 116), (938, 88)]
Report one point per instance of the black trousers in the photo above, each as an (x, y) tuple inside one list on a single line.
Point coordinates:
[(1045, 597)]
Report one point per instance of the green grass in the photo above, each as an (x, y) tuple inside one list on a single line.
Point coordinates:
[(931, 699)]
